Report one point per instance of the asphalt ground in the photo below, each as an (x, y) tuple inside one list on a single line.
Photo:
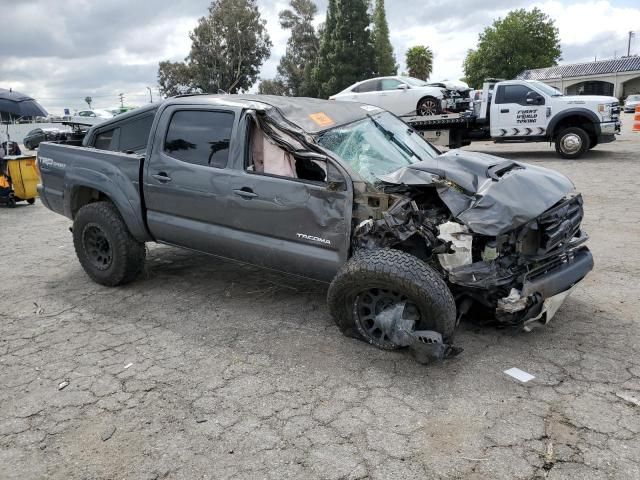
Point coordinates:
[(206, 369)]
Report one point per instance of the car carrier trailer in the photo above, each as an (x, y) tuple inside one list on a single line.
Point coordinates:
[(526, 111)]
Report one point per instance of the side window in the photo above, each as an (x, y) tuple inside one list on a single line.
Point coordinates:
[(370, 86), (134, 135), (104, 140), (512, 94), (200, 137), (268, 158), (389, 84)]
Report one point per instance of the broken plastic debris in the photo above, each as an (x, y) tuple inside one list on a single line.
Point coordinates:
[(425, 345), (460, 239), (128, 365), (38, 310), (630, 399), (63, 385), (513, 303), (108, 433), (519, 374)]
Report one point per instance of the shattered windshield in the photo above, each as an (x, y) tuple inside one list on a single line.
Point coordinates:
[(377, 145)]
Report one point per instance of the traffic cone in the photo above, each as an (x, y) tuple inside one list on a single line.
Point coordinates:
[(636, 120)]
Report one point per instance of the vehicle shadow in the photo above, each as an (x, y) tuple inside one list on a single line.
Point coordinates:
[(220, 303)]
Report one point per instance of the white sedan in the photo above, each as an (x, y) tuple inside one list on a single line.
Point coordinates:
[(399, 95)]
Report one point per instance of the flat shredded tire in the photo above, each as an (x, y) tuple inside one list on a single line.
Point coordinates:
[(372, 280)]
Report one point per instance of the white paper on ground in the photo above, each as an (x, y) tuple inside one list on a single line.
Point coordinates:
[(519, 374)]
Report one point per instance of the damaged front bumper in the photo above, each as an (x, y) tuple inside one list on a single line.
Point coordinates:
[(546, 288), (536, 297)]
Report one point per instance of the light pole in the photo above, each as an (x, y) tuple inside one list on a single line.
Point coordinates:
[(631, 34), (150, 95)]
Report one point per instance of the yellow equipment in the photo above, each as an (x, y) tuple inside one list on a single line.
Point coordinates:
[(23, 171)]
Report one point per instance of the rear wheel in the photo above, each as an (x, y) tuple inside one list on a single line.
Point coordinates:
[(106, 249), (374, 281), (572, 142), (429, 106)]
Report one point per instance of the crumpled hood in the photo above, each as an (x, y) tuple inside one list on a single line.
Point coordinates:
[(489, 194)]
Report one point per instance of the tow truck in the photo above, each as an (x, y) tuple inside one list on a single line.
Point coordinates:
[(510, 111)]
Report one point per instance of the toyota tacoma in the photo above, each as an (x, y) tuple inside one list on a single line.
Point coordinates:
[(410, 239)]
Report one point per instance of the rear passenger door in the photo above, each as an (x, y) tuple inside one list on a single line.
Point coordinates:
[(186, 180), (368, 92)]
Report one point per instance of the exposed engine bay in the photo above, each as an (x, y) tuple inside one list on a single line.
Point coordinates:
[(495, 272)]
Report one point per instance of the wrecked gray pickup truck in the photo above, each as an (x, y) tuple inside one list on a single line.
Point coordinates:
[(410, 239)]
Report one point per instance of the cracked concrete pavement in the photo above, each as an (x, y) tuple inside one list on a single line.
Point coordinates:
[(207, 369)]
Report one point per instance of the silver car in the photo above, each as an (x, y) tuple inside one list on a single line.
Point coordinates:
[(631, 103)]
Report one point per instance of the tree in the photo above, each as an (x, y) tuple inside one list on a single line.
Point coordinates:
[(346, 52), (88, 100), (175, 78), (522, 40), (420, 62), (385, 60), (273, 87), (228, 46), (294, 70)]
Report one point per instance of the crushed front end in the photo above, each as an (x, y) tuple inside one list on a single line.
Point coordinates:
[(525, 275), (518, 276)]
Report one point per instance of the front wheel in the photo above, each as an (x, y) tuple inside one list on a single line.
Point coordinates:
[(31, 201), (572, 142), (374, 281), (106, 249), (429, 106)]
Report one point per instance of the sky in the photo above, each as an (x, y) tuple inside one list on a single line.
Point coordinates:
[(62, 51)]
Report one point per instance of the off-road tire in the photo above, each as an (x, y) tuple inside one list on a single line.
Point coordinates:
[(128, 255), (394, 270), (561, 148), (436, 111)]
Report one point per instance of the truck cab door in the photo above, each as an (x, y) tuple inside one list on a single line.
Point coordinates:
[(185, 179), (517, 111), (200, 194), (289, 212)]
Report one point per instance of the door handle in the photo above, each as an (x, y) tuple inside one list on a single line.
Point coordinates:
[(162, 177), (504, 110), (245, 193)]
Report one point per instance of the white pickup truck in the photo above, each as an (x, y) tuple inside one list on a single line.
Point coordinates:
[(527, 111)]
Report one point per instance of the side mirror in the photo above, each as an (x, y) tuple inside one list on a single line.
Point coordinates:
[(402, 86), (533, 98)]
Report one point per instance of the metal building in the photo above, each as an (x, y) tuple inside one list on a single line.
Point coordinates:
[(619, 77)]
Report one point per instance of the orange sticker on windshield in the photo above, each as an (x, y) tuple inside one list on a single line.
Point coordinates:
[(321, 119)]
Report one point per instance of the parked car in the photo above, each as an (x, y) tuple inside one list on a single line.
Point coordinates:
[(37, 135), (457, 94), (95, 113), (398, 94), (91, 117), (411, 240), (631, 102)]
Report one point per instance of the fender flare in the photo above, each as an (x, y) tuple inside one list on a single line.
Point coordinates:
[(584, 112), (120, 191)]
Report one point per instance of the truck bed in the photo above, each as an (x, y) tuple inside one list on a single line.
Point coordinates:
[(63, 167)]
